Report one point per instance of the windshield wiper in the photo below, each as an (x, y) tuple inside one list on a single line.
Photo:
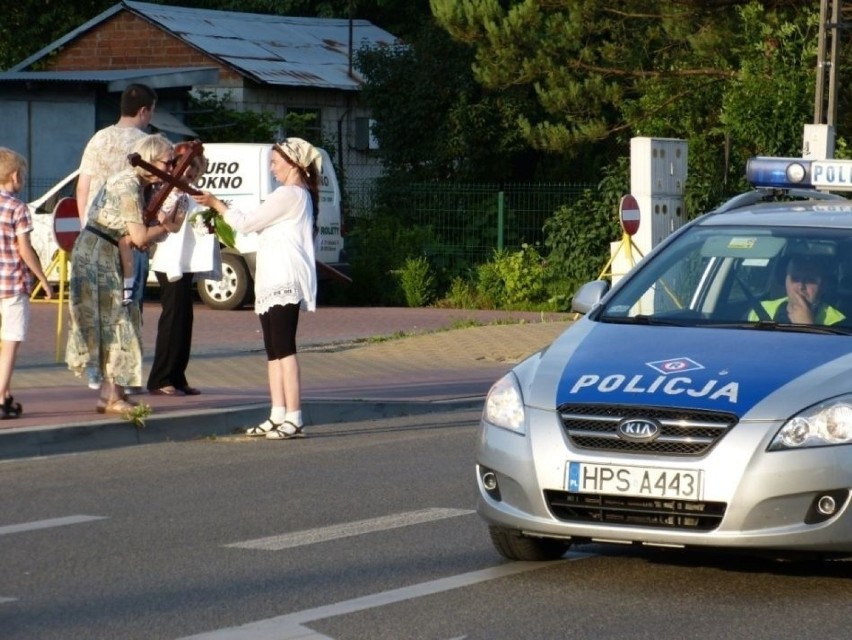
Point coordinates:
[(763, 325), (647, 320), (771, 325)]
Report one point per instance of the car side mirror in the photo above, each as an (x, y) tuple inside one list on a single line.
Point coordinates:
[(589, 296)]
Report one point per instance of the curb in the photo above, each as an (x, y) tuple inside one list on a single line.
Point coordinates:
[(34, 442)]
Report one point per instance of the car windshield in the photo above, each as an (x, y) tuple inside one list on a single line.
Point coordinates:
[(792, 278)]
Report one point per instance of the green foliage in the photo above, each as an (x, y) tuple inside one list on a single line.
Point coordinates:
[(759, 110), (417, 282), (522, 276), (214, 223), (432, 121), (770, 98), (579, 235), (510, 280), (489, 283), (29, 25), (732, 72), (215, 121), (378, 246), (462, 294), (138, 414)]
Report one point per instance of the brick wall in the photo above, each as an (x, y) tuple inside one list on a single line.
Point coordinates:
[(129, 42)]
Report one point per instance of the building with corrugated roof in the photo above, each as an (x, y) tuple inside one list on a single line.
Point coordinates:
[(52, 102)]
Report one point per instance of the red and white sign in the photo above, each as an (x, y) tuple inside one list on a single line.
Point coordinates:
[(629, 215), (66, 223)]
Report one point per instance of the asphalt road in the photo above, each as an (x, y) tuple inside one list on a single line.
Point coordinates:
[(363, 531)]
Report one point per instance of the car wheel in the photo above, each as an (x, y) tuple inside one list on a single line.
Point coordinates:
[(513, 546), (229, 292)]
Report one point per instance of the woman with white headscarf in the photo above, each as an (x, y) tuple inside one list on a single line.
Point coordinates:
[(285, 278)]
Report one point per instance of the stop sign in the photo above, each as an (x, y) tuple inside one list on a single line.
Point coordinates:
[(66, 223), (629, 214)]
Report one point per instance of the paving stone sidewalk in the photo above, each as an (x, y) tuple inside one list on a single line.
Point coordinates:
[(356, 364)]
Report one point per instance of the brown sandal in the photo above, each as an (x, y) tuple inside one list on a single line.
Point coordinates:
[(120, 405)]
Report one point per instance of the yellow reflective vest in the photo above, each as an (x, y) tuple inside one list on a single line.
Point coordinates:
[(825, 314)]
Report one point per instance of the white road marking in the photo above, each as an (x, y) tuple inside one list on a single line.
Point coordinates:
[(2, 599), (348, 529), (47, 524), (290, 626)]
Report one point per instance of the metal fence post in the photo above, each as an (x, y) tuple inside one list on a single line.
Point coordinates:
[(500, 214)]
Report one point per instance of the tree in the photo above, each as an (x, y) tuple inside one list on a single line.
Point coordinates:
[(433, 122), (29, 25), (733, 77), (760, 110), (590, 62)]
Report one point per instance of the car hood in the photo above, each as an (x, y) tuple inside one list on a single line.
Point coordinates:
[(770, 373)]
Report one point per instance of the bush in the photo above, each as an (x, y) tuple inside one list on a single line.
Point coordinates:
[(417, 282), (461, 295), (489, 282), (378, 247), (522, 275), (579, 235), (510, 280)]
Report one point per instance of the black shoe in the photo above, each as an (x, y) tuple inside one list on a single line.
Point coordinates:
[(10, 409)]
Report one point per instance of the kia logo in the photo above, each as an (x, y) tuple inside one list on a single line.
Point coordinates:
[(638, 430)]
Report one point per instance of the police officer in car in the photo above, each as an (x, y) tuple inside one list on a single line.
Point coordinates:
[(803, 304)]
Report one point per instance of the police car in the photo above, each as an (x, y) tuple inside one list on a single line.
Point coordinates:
[(692, 405)]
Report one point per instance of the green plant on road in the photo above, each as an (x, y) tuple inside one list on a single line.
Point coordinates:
[(137, 415)]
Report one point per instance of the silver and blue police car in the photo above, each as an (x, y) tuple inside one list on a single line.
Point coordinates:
[(704, 401)]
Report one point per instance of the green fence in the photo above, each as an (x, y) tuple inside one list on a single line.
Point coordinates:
[(467, 222)]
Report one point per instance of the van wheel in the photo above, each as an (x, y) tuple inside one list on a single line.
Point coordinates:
[(514, 546), (232, 290)]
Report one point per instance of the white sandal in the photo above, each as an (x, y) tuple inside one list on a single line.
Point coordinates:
[(285, 431), (263, 429)]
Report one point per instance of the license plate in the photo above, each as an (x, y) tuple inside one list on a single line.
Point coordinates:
[(646, 482)]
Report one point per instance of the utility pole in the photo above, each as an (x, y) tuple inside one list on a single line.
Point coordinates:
[(350, 40), (819, 137)]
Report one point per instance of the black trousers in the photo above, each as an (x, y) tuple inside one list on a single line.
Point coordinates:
[(174, 333)]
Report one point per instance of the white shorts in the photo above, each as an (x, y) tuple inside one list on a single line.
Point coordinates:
[(15, 315)]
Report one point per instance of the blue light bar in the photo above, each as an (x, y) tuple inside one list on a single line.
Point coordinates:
[(779, 173)]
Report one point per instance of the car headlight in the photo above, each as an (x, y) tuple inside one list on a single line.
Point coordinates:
[(504, 405), (828, 423)]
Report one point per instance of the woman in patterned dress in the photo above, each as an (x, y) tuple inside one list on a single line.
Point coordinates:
[(103, 333)]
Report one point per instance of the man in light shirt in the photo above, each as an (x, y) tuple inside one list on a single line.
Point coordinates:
[(105, 154)]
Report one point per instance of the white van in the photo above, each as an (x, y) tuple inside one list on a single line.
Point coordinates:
[(239, 174)]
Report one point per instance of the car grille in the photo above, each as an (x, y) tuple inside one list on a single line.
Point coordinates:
[(684, 432), (641, 512)]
